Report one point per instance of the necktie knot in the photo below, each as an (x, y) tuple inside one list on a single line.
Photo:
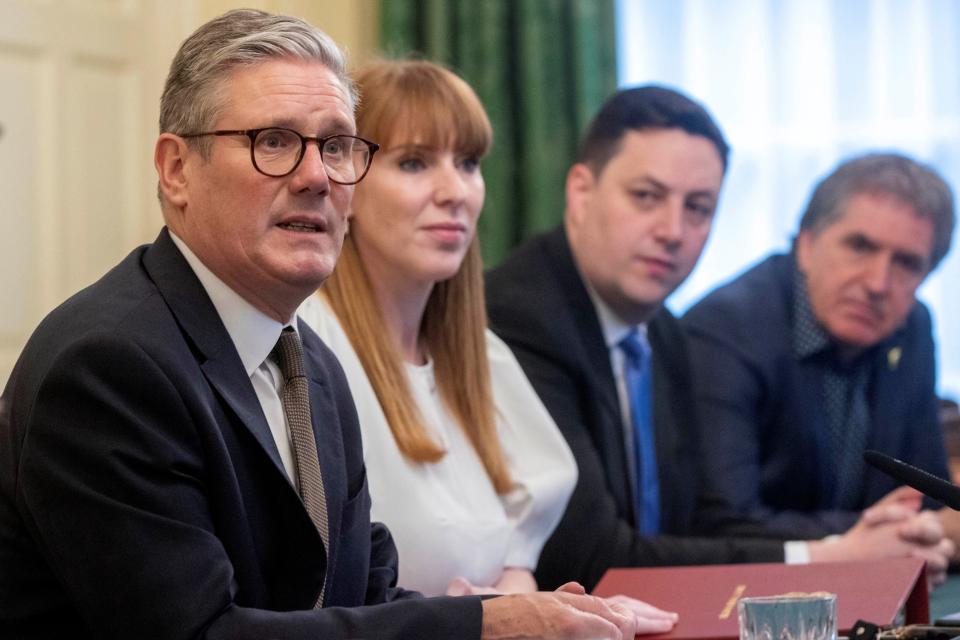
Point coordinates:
[(288, 354), (636, 347)]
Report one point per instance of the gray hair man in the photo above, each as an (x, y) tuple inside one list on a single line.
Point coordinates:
[(582, 307), (809, 358), (178, 457)]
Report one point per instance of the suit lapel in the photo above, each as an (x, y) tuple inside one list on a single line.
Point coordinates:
[(326, 430), (598, 360), (669, 421), (606, 425), (676, 424), (587, 325), (218, 358), (227, 376), (663, 410), (885, 399)]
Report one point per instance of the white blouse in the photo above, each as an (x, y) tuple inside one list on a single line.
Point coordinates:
[(446, 518)]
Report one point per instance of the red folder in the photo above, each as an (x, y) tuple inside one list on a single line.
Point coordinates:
[(706, 597)]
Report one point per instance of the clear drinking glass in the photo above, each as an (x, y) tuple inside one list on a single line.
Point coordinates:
[(810, 616)]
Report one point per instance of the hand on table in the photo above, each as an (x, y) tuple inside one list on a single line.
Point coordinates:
[(649, 618), (565, 614)]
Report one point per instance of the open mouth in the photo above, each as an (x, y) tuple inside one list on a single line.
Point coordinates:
[(301, 227)]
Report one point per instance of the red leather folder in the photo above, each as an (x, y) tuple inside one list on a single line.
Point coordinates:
[(706, 597)]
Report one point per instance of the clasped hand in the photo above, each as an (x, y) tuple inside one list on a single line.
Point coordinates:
[(894, 527)]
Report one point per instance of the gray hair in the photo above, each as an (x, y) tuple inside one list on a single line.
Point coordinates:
[(892, 174), (193, 93)]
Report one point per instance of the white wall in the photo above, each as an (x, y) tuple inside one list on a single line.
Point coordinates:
[(81, 82)]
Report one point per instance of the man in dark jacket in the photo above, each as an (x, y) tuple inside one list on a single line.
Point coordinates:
[(808, 359), (179, 458), (582, 308)]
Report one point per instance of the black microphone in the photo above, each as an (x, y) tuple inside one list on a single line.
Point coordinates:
[(927, 483)]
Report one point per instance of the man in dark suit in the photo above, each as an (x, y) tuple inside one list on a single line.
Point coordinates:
[(640, 203), (809, 358), (178, 457)]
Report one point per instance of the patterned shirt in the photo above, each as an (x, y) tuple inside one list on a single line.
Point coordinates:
[(845, 392)]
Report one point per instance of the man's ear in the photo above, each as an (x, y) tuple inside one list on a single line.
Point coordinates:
[(169, 157), (579, 190)]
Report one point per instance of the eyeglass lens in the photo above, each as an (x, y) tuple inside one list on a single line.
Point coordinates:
[(277, 152)]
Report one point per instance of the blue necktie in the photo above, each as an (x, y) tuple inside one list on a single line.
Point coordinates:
[(639, 379)]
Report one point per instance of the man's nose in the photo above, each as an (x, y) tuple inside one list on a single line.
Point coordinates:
[(669, 227), (311, 173), (878, 272)]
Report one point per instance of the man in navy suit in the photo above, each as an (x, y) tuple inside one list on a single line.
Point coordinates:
[(640, 203), (149, 485), (809, 358)]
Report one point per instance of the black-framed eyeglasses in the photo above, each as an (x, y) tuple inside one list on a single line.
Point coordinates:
[(277, 152)]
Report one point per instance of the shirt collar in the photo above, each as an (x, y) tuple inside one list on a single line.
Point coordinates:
[(253, 332), (614, 329), (809, 337)]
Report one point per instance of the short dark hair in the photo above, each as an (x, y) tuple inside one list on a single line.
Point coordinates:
[(646, 107), (891, 174)]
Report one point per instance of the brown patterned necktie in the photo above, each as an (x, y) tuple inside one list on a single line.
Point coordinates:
[(288, 354)]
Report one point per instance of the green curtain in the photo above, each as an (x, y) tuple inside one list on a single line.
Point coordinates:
[(541, 69)]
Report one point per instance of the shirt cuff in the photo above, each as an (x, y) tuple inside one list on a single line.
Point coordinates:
[(796, 552)]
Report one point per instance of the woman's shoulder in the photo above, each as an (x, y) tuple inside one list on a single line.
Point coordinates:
[(516, 401), (498, 353), (318, 315)]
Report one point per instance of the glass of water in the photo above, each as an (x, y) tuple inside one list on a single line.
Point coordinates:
[(811, 616)]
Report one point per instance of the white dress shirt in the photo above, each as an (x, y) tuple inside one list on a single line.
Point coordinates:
[(446, 518), (614, 331), (254, 335)]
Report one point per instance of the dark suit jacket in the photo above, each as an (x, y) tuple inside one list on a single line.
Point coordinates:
[(538, 304), (768, 431), (143, 495)]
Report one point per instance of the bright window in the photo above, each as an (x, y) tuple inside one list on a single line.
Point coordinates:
[(797, 86)]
